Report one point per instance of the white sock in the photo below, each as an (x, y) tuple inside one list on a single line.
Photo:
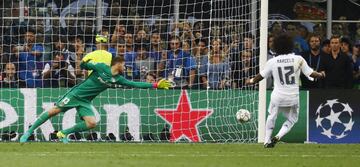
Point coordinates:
[(286, 127), (270, 124), (292, 118)]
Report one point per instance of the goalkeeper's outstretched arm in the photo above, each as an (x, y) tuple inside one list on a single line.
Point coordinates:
[(162, 84)]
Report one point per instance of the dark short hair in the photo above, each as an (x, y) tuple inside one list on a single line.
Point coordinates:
[(326, 42), (155, 31), (116, 60), (334, 37), (30, 29), (197, 41), (283, 44), (251, 36), (175, 38), (314, 35), (346, 40), (141, 46)]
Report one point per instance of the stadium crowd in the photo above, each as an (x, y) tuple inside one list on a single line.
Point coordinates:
[(192, 55)]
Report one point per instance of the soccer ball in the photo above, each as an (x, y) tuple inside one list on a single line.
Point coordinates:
[(243, 115)]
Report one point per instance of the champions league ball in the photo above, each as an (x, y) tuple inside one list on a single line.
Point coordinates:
[(334, 118), (243, 115)]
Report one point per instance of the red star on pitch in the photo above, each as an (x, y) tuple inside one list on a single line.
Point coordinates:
[(184, 119)]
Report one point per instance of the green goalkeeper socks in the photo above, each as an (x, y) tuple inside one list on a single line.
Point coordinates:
[(79, 127), (43, 117)]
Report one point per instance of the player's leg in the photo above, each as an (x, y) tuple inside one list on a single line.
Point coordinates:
[(88, 122), (291, 116), (42, 118), (270, 122)]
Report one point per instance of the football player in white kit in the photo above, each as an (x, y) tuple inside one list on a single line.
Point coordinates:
[(285, 69)]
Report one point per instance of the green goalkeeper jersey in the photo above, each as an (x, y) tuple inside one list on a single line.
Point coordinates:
[(100, 80)]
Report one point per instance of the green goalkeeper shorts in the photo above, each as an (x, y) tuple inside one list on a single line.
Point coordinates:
[(68, 102)]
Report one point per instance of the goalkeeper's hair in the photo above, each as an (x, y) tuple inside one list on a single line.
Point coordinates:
[(116, 60), (283, 44)]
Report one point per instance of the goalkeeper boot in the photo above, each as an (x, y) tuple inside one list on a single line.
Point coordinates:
[(62, 137), (24, 138)]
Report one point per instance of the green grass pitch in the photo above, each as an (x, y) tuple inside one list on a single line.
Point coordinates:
[(176, 155)]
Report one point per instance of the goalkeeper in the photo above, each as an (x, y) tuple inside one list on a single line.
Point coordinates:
[(81, 95)]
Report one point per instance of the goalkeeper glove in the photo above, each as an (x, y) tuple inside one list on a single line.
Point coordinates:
[(163, 84)]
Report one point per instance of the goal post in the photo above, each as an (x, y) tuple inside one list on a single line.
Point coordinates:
[(263, 59), (207, 48)]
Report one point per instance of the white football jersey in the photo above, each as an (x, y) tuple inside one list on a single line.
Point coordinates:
[(285, 70)]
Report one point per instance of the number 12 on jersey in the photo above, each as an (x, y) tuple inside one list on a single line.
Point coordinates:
[(287, 73)]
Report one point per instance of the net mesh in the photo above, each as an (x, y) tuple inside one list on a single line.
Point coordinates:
[(205, 48)]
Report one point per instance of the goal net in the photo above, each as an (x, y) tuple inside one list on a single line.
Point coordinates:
[(206, 48)]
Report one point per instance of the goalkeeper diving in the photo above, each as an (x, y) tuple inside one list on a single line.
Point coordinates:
[(81, 95)]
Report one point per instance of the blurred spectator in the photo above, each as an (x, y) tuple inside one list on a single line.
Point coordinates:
[(337, 66), (201, 58), (9, 79), (345, 26), (30, 46), (303, 32), (129, 41), (249, 45), (356, 64), (216, 72), (357, 31), (55, 73), (86, 28), (187, 34), (337, 29), (345, 46), (180, 65), (319, 29), (141, 37), (312, 58), (150, 77), (144, 62), (30, 62), (271, 54), (235, 45), (115, 9), (156, 46), (325, 47), (300, 43), (15, 28), (69, 28), (4, 57), (79, 48), (248, 42), (161, 71), (130, 58), (62, 45), (120, 48), (186, 47), (276, 28), (243, 69), (119, 32)]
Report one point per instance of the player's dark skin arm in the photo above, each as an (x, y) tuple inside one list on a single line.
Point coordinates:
[(254, 80), (318, 74), (258, 77)]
